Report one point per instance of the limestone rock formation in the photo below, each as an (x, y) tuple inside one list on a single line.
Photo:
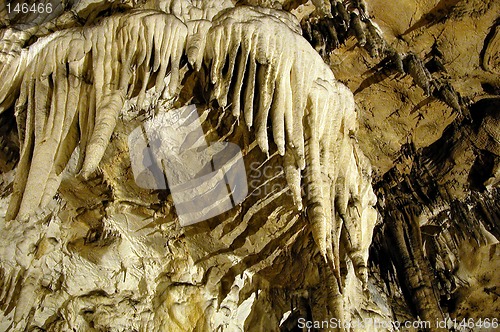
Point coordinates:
[(367, 134)]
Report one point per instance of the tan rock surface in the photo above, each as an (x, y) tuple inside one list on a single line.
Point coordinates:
[(314, 96)]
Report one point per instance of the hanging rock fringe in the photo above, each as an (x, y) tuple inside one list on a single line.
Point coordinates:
[(283, 81), (75, 85), (74, 88)]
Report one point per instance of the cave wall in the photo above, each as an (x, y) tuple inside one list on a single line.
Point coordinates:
[(86, 249)]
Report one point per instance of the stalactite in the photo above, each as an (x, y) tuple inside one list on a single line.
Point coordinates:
[(288, 91), (72, 97), (358, 29), (47, 107), (419, 73), (405, 233), (326, 31)]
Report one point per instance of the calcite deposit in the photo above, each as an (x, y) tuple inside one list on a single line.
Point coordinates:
[(200, 165)]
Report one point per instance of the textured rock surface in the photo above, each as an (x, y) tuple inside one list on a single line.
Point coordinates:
[(85, 248)]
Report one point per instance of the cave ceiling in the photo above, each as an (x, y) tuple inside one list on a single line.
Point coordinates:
[(292, 165)]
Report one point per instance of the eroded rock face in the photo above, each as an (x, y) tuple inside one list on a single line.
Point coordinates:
[(88, 248)]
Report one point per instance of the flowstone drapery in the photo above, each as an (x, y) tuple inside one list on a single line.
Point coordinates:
[(87, 246), (77, 85)]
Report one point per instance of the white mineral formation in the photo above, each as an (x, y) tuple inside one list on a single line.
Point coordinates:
[(74, 88), (74, 84), (87, 246)]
